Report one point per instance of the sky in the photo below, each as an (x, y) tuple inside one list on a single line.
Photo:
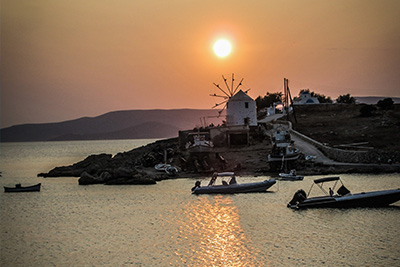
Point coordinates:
[(66, 59)]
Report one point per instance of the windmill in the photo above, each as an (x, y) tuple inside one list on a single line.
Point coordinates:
[(227, 93)]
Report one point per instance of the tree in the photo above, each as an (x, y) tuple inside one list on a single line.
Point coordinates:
[(321, 98), (324, 99), (268, 100), (367, 110), (346, 99), (386, 103)]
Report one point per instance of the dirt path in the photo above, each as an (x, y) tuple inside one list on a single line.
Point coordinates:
[(309, 150)]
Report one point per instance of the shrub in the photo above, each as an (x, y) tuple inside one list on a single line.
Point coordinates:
[(386, 103), (367, 110), (346, 99)]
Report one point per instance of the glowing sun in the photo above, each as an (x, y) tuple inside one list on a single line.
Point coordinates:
[(222, 48)]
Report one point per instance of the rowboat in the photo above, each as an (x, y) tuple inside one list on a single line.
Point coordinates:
[(19, 188), (231, 187)]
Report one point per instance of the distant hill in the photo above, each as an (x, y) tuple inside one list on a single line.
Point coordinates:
[(374, 99), (128, 124)]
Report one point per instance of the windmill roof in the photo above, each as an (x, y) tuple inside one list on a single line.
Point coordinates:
[(240, 96)]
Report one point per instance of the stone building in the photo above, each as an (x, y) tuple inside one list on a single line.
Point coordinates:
[(241, 110)]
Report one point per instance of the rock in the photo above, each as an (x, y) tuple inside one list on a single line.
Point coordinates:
[(92, 164), (105, 176), (87, 178), (123, 172), (131, 181)]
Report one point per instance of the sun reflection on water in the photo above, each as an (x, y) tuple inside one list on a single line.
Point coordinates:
[(217, 237)]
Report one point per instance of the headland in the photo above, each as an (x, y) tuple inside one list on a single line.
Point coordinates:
[(340, 140)]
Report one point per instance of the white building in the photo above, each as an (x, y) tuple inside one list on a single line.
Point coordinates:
[(305, 98), (241, 109)]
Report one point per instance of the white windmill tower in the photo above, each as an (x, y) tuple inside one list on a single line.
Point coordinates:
[(240, 108)]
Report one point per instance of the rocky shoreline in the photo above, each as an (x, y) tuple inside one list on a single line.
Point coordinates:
[(137, 166), (330, 125)]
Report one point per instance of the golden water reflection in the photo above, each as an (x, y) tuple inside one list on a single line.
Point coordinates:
[(217, 237)]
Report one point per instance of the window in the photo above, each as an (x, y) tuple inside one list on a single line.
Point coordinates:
[(246, 104)]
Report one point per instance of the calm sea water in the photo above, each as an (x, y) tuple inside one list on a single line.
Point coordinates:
[(164, 225)]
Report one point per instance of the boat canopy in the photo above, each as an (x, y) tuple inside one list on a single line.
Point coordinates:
[(327, 179)]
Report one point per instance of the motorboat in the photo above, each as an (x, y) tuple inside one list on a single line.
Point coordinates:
[(283, 156), (343, 197), (19, 188), (231, 186), (281, 136), (283, 152), (291, 176)]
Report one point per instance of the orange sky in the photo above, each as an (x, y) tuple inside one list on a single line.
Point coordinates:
[(66, 59)]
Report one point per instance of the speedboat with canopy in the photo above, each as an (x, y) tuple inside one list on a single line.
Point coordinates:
[(343, 197), (231, 187)]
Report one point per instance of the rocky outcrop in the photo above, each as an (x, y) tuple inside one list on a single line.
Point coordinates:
[(117, 177), (132, 167), (91, 165), (87, 178)]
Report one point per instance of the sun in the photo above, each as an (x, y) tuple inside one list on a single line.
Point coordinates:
[(222, 48)]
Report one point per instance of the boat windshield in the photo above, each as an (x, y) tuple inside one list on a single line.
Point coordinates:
[(222, 174)]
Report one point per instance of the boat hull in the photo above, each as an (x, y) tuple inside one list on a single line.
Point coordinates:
[(236, 188), (367, 199), (279, 158), (289, 177), (33, 188)]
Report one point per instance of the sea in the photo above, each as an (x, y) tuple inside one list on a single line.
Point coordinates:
[(66, 224)]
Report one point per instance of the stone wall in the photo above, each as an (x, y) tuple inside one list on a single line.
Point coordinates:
[(350, 156)]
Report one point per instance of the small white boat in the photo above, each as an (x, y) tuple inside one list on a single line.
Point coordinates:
[(161, 166), (311, 157), (231, 187), (200, 144), (168, 168), (291, 176)]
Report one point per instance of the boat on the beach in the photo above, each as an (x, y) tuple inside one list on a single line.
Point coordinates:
[(19, 188), (231, 187), (281, 136), (199, 144), (343, 198), (291, 176), (283, 156), (281, 153), (168, 168)]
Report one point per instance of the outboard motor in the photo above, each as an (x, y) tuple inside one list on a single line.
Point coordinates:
[(298, 197), (197, 184)]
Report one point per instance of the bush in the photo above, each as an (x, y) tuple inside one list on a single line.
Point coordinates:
[(386, 103), (346, 99), (268, 100), (367, 110)]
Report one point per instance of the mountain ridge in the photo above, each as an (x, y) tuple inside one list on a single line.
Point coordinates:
[(156, 122)]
